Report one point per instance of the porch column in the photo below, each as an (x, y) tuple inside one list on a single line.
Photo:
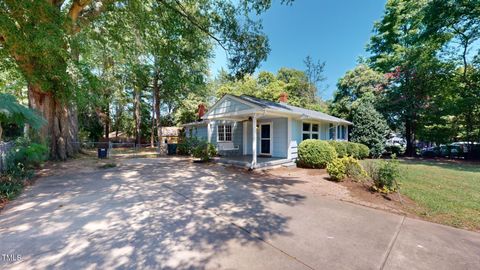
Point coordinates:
[(209, 132), (254, 141), (289, 137), (346, 132), (244, 139)]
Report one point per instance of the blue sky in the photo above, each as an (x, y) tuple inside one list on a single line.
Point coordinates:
[(335, 31)]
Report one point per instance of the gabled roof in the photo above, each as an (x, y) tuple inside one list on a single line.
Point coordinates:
[(285, 108), (258, 104)]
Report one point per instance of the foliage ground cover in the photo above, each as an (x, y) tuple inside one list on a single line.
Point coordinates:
[(21, 161), (446, 192)]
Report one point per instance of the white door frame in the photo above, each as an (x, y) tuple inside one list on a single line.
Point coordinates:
[(271, 137)]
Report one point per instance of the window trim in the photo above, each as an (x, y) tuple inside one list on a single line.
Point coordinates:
[(332, 132), (341, 132), (310, 132), (224, 133)]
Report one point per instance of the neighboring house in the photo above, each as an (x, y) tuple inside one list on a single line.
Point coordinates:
[(170, 134), (279, 128)]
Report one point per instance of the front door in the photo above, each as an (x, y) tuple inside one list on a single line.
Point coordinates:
[(266, 139)]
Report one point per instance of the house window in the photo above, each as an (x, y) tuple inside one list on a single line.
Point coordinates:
[(331, 132), (342, 131), (224, 133), (310, 131)]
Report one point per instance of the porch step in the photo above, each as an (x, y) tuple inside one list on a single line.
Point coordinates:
[(259, 165)]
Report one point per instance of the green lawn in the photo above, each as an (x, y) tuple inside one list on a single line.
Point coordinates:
[(447, 192)]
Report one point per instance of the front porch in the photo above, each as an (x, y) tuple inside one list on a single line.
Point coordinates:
[(261, 161)]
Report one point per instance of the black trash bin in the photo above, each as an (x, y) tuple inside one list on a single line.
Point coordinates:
[(171, 148), (102, 152)]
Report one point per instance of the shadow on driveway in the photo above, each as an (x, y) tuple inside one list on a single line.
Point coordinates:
[(148, 213)]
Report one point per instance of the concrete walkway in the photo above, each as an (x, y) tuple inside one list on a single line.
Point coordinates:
[(168, 213)]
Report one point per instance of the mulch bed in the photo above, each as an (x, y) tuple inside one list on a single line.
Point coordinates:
[(395, 200)]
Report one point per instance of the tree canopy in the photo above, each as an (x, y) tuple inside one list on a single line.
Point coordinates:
[(422, 74), (269, 86), (76, 56)]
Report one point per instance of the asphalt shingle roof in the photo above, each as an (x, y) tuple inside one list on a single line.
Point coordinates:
[(292, 109)]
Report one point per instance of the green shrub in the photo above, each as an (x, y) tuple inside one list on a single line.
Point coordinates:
[(340, 168), (315, 153), (182, 149), (353, 169), (363, 151), (186, 146), (384, 175), (9, 188), (204, 151), (340, 147), (352, 149), (337, 170), (370, 127), (24, 157), (20, 162)]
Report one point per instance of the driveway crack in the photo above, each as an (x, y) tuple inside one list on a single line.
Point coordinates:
[(392, 243)]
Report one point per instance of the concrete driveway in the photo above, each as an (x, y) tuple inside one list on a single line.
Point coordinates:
[(168, 213)]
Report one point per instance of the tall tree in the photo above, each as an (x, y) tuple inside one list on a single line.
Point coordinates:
[(370, 128), (269, 86), (43, 39), (354, 85), (456, 25), (315, 72), (396, 50)]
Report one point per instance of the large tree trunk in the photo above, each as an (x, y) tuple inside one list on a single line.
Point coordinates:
[(107, 122), (118, 116), (138, 117), (60, 129), (73, 147), (156, 94), (152, 131), (409, 137)]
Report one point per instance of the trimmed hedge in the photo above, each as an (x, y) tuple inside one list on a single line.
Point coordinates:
[(340, 147), (314, 153), (363, 152), (352, 149)]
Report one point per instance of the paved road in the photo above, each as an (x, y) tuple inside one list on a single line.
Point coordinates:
[(172, 214)]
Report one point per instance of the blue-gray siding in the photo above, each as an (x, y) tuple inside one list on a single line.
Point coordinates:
[(201, 132), (237, 132), (279, 138), (279, 135), (197, 131), (229, 105)]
